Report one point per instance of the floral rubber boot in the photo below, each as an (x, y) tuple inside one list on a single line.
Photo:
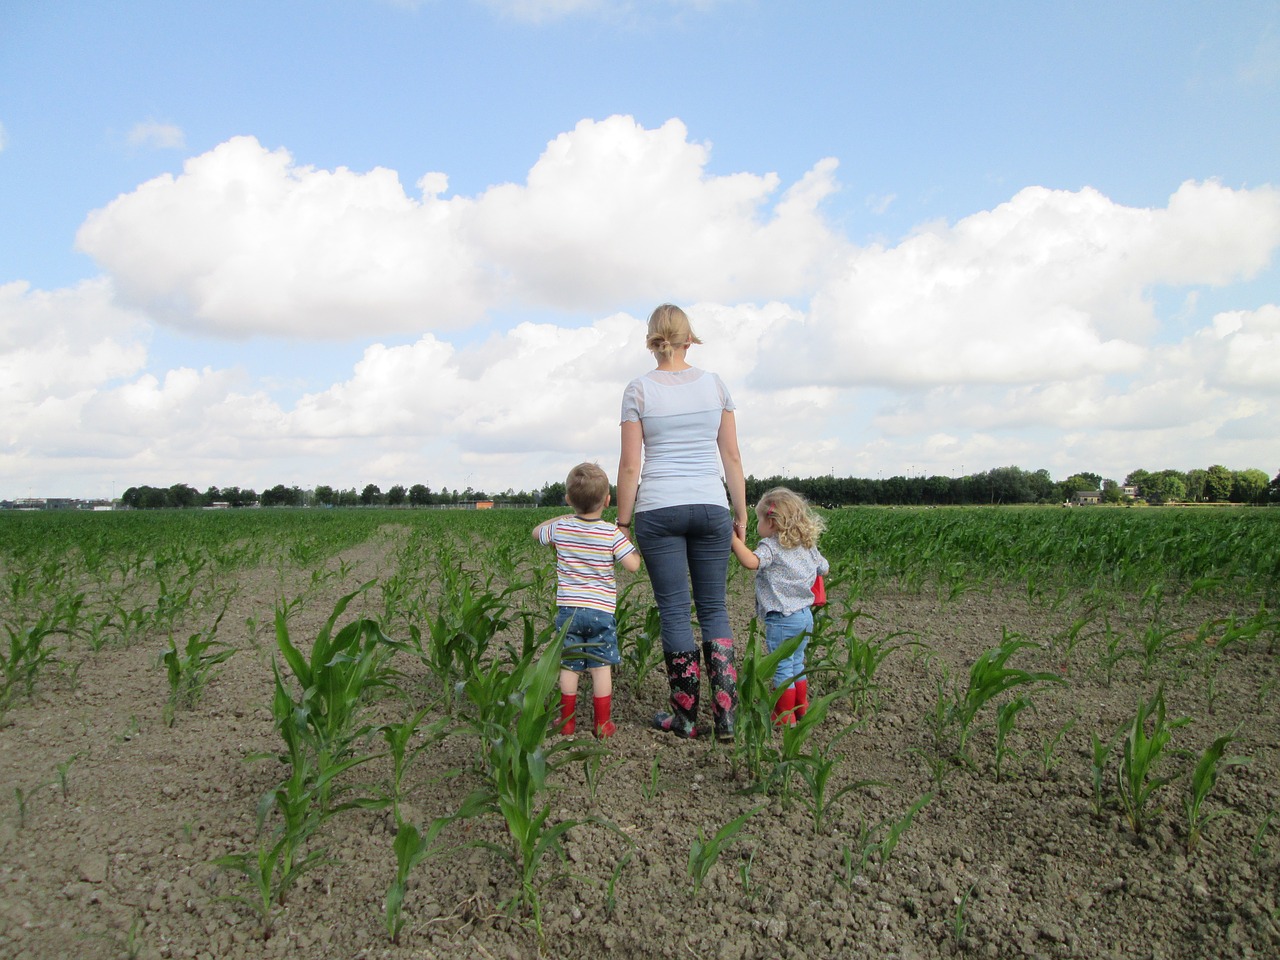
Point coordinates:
[(684, 676), (722, 677)]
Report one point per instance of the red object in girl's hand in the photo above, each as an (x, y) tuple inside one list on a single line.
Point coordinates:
[(819, 592)]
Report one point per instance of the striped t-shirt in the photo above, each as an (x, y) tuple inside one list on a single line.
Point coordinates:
[(586, 551)]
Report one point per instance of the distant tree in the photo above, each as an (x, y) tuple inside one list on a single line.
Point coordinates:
[(370, 494), (325, 494), (348, 497), (210, 496), (1250, 486), (1010, 485), (1111, 492), (282, 496), (1194, 481), (236, 497), (1043, 489), (419, 495), (1273, 489), (154, 498), (1135, 478), (181, 495), (552, 494), (1218, 483), (1165, 487), (396, 495)]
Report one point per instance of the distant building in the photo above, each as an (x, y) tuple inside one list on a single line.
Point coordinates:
[(1087, 497)]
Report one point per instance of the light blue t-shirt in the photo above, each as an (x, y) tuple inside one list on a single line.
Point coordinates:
[(680, 414)]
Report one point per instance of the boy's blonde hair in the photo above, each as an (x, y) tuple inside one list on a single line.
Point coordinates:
[(586, 487), (669, 330), (788, 511)]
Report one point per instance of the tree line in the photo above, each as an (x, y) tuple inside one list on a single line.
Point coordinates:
[(1001, 485)]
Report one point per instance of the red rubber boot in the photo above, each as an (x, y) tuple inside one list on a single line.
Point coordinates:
[(568, 724), (784, 711), (605, 728), (802, 698)]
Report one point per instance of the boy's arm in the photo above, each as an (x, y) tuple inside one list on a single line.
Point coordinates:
[(744, 554), (537, 531), (631, 561)]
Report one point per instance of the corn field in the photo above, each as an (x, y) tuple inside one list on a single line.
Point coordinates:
[(320, 733)]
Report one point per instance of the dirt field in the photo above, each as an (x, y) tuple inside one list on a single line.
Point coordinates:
[(109, 818)]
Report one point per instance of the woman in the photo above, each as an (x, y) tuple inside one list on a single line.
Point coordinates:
[(678, 422)]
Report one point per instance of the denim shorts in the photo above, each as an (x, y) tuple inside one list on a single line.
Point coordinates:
[(592, 639), (778, 629)]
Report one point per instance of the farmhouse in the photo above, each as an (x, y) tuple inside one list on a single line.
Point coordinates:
[(1084, 497)]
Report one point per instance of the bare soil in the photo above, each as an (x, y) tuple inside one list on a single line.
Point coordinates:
[(110, 818)]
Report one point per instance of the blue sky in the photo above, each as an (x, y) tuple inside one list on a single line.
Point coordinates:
[(396, 242)]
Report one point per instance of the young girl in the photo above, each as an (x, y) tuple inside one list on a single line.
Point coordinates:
[(786, 562)]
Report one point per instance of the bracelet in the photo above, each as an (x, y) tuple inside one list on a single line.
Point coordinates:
[(622, 523)]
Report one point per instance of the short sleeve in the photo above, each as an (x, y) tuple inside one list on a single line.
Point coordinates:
[(633, 402), (547, 534), (726, 401), (764, 553), (621, 546)]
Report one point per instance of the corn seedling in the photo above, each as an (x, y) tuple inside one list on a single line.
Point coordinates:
[(1112, 650), (411, 848), (1049, 756), (1155, 642), (898, 827), (704, 852), (399, 738), (1140, 752), (1259, 843), (744, 873), (1062, 646), (518, 762), (23, 797), (611, 888), (1203, 779), (754, 743), (880, 840), (189, 668), (989, 677), (1006, 719), (342, 671), (27, 654), (461, 632), (642, 648), (64, 768), (959, 920), (817, 771), (854, 660), (651, 787), (267, 878), (593, 770)]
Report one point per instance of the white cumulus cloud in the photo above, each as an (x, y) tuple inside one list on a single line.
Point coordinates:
[(1052, 285), (246, 242)]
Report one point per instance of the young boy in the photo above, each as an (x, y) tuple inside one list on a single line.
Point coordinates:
[(587, 547)]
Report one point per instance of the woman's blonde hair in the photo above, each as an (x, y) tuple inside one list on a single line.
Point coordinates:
[(669, 330), (788, 511)]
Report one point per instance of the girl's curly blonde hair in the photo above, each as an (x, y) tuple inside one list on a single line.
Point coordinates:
[(789, 512)]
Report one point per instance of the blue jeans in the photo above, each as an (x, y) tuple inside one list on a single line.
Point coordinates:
[(687, 547), (592, 640), (778, 629)]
